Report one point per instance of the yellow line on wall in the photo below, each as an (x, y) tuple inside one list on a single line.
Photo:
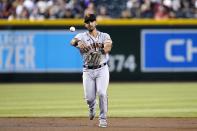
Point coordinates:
[(110, 22)]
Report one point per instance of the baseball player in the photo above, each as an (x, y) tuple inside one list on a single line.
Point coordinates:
[(94, 47)]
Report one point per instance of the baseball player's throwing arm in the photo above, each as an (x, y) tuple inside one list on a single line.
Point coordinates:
[(79, 44)]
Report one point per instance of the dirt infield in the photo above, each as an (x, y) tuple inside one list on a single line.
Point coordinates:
[(84, 124)]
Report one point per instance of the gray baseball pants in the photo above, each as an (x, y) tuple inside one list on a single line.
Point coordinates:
[(96, 81)]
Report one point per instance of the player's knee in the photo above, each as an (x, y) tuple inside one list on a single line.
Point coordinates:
[(90, 99), (102, 94)]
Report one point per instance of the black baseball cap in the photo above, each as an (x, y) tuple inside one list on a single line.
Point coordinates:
[(89, 17)]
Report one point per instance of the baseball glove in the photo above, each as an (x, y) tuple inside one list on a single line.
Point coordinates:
[(93, 58)]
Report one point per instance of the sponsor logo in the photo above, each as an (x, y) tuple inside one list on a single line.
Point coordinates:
[(168, 50)]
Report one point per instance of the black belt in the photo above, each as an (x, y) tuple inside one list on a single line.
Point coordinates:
[(94, 67)]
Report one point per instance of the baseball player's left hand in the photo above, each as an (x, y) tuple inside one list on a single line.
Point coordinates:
[(99, 45), (83, 47)]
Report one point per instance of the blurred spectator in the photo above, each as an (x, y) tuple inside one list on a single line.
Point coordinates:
[(102, 13), (6, 9), (134, 7), (68, 13), (187, 10), (77, 9), (125, 14), (29, 5), (90, 9), (146, 9), (161, 12)]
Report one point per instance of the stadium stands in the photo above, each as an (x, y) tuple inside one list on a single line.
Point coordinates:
[(57, 9)]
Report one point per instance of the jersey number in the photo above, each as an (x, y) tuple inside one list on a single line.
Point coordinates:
[(93, 59)]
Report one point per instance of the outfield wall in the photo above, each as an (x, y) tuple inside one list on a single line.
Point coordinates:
[(143, 50)]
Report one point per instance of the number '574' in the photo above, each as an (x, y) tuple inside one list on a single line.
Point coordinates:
[(119, 62)]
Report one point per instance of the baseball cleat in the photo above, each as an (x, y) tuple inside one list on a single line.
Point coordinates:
[(102, 123), (92, 114)]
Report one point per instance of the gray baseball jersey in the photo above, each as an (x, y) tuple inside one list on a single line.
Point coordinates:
[(90, 40), (95, 81)]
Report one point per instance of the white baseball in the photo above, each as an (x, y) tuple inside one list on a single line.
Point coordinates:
[(72, 28)]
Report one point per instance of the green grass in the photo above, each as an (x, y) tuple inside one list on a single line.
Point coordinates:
[(125, 100)]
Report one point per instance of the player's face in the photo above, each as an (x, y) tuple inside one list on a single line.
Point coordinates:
[(91, 25)]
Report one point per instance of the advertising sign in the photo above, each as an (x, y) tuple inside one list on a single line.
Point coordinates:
[(168, 50), (38, 51)]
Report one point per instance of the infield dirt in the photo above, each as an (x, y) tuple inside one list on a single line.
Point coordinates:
[(84, 124)]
